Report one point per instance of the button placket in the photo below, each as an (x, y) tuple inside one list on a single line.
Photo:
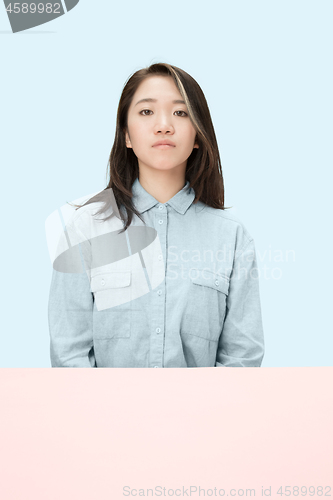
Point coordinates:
[(158, 305)]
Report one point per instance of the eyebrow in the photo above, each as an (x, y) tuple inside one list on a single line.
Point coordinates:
[(149, 99)]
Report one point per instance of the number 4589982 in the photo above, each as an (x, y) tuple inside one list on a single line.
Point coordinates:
[(33, 8)]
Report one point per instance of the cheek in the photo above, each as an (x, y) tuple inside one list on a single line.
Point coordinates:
[(188, 134), (139, 144), (137, 134), (190, 137)]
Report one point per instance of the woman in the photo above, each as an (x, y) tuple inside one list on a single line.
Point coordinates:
[(169, 279)]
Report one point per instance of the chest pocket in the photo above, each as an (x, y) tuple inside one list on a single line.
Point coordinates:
[(206, 305), (112, 295)]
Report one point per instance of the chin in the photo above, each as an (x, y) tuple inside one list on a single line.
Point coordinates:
[(163, 166)]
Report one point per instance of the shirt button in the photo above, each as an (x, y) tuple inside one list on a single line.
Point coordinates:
[(160, 257), (103, 282), (160, 221), (216, 283), (161, 207), (158, 330), (159, 292)]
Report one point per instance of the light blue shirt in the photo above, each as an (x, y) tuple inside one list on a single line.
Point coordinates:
[(182, 291)]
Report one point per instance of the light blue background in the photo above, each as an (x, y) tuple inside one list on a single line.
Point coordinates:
[(266, 70)]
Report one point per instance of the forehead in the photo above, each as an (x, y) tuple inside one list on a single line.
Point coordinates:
[(156, 87)]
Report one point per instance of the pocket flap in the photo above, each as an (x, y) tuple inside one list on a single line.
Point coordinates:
[(212, 280), (112, 279)]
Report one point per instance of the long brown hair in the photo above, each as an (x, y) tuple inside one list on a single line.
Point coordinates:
[(203, 169)]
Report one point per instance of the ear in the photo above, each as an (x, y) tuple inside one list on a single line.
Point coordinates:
[(127, 140), (196, 144)]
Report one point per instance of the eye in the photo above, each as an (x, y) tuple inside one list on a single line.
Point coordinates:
[(143, 112)]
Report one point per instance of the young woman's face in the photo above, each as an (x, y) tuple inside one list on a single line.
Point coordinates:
[(160, 119)]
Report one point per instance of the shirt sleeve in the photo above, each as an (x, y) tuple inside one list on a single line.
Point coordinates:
[(241, 343), (70, 315)]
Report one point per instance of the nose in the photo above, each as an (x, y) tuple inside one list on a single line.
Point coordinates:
[(163, 125)]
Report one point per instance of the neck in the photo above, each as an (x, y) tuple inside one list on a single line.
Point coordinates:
[(162, 186)]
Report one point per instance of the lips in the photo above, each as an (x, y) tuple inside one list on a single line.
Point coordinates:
[(164, 143), (163, 146)]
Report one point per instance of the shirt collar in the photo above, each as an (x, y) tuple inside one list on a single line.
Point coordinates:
[(143, 201)]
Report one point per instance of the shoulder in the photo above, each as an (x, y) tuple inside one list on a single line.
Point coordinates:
[(83, 208), (226, 221), (83, 214), (94, 218)]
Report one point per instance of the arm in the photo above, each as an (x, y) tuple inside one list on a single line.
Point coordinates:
[(70, 318), (241, 342)]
